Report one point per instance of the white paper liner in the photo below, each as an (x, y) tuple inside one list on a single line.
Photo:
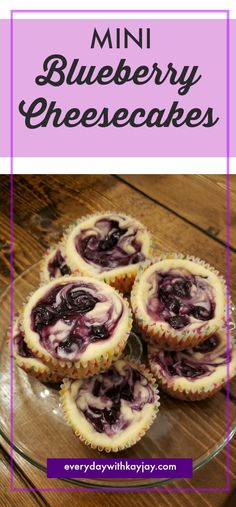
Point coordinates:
[(40, 372)]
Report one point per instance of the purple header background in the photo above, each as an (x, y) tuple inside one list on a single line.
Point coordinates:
[(182, 42)]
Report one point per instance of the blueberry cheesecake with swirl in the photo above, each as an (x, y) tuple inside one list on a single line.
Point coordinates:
[(178, 302), (25, 358), (195, 373), (112, 410), (76, 325), (108, 246)]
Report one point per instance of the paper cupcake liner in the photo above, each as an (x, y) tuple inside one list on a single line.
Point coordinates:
[(41, 372), (188, 395), (169, 341), (110, 448), (168, 338), (122, 282)]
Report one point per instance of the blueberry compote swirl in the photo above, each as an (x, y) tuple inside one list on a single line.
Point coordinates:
[(110, 244), (193, 363), (20, 345), (57, 265), (110, 400), (72, 316), (180, 298)]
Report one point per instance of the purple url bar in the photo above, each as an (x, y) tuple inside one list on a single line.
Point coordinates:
[(119, 468)]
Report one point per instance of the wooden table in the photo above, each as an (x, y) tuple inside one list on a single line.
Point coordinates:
[(184, 213)]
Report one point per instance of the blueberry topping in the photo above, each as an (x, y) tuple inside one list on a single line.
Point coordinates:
[(172, 370), (23, 349), (182, 288), (177, 364), (189, 364), (176, 298), (165, 292), (116, 235), (96, 388), (67, 344), (81, 300), (178, 321), (127, 393), (86, 304), (112, 387), (99, 333), (104, 248), (207, 346), (98, 417), (58, 263), (42, 316), (139, 257), (105, 244), (90, 254), (65, 270), (111, 414), (97, 422), (201, 313), (191, 371), (173, 305), (111, 240), (97, 411), (114, 393), (105, 262), (75, 301)]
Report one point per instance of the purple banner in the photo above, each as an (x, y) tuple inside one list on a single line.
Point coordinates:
[(107, 96), (119, 468)]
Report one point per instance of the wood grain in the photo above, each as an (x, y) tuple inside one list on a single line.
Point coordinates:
[(14, 499), (63, 199), (189, 217), (201, 200), (163, 499)]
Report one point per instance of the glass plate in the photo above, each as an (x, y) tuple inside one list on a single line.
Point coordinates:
[(181, 430)]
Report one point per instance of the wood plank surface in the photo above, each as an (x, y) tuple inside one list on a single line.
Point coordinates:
[(214, 471), (43, 207), (15, 499), (201, 200), (39, 221)]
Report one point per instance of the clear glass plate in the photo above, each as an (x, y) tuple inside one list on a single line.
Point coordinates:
[(194, 430)]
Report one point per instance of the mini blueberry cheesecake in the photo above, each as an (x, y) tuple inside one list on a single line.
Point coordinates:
[(114, 409), (77, 325), (53, 265), (178, 302), (196, 373), (107, 246), (26, 360)]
